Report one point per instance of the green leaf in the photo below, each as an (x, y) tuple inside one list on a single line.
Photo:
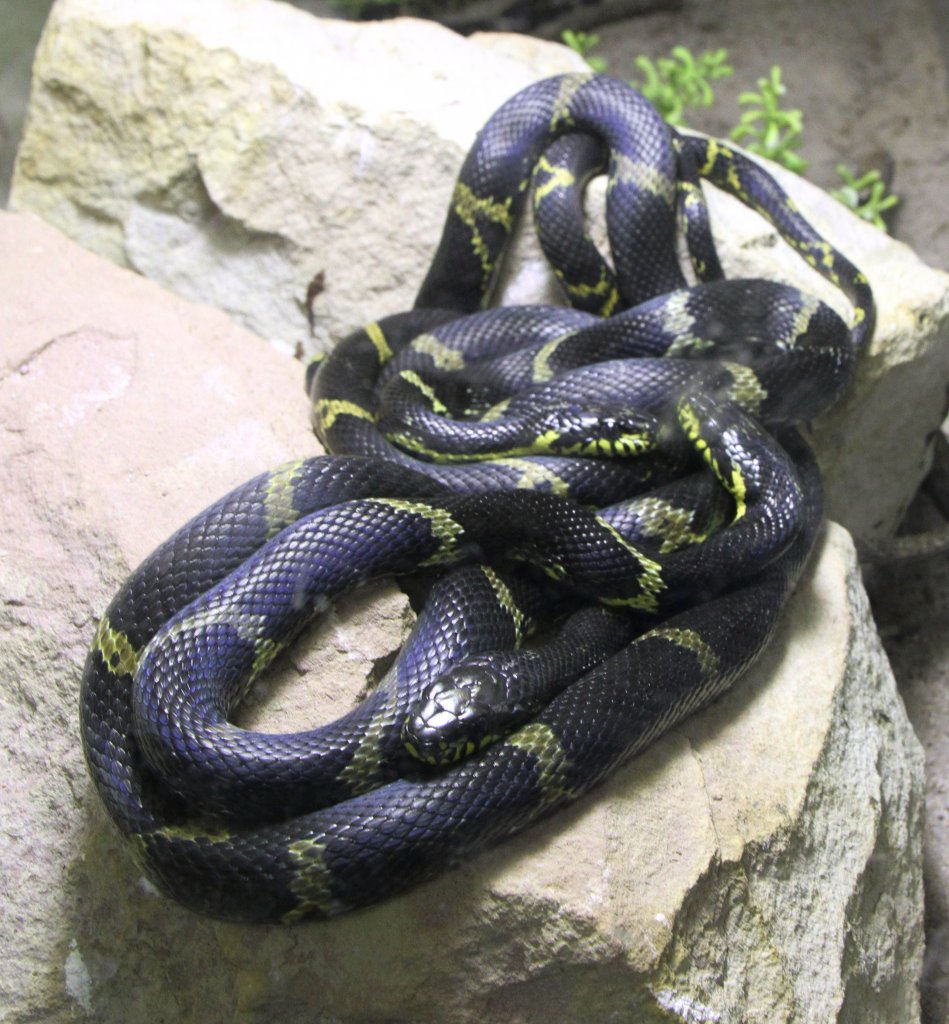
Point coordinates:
[(764, 128), (674, 83), (583, 43), (865, 196)]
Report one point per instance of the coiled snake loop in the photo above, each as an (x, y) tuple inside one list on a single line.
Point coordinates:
[(621, 474)]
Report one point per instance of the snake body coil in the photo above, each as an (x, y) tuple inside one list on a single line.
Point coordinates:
[(622, 472)]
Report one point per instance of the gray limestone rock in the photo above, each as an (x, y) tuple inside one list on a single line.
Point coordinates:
[(760, 863)]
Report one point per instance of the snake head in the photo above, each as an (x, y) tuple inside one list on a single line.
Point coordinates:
[(597, 433), (457, 715)]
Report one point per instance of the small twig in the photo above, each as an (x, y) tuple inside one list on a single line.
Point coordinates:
[(313, 290)]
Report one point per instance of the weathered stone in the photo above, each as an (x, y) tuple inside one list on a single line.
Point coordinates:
[(233, 149), (759, 863), (239, 197)]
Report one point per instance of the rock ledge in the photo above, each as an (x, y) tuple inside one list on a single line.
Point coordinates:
[(760, 863)]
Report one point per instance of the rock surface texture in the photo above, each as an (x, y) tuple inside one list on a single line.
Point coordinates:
[(761, 863), (234, 150)]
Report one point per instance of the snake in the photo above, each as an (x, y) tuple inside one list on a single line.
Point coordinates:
[(599, 509)]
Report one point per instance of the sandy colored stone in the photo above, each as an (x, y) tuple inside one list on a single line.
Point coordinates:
[(760, 863), (337, 151)]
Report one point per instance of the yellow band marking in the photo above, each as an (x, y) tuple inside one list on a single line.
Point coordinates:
[(496, 411), (312, 882), (328, 409), (604, 287), (278, 497), (541, 742), (248, 626), (733, 482), (557, 177), (266, 650), (660, 518), (650, 579), (445, 530), (375, 334), (690, 641), (535, 475), (541, 365), (678, 321), (713, 150), (191, 834), (747, 390), (690, 194), (627, 171), (561, 116), (363, 770), (550, 442), (117, 652), (426, 389), (443, 357), (506, 600), (469, 208), (802, 318)]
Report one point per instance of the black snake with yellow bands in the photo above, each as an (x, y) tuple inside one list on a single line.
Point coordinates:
[(623, 475)]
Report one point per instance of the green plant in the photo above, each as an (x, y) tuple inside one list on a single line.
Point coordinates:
[(865, 195), (766, 129), (681, 80), (583, 43)]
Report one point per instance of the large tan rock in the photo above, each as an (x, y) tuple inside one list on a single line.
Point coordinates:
[(760, 863), (233, 149)]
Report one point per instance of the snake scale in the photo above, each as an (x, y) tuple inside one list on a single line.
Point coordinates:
[(605, 505)]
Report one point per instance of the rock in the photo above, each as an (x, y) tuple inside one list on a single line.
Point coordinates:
[(234, 149), (760, 863), (239, 197)]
